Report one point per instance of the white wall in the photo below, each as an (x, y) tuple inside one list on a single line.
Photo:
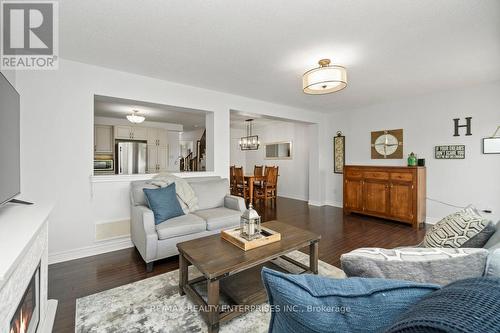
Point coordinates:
[(193, 135), (57, 149), (294, 173), (427, 122), (237, 156), (10, 75)]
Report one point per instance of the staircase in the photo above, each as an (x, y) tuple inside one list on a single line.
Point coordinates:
[(196, 162)]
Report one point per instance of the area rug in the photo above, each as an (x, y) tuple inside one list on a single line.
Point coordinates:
[(154, 305)]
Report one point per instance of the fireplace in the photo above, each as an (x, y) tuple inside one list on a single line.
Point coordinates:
[(27, 315)]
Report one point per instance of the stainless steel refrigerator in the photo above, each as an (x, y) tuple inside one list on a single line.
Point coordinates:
[(131, 158)]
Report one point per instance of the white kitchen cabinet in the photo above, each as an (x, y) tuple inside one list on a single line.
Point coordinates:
[(157, 136), (122, 132), (162, 158), (139, 133), (157, 159), (131, 133), (152, 165), (103, 139)]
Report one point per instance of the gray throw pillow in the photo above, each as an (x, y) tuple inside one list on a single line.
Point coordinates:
[(481, 238), (456, 229), (438, 265)]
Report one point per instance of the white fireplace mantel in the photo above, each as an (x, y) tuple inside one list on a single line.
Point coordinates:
[(24, 246)]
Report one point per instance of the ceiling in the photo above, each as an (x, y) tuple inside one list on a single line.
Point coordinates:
[(392, 48), (237, 120), (191, 119)]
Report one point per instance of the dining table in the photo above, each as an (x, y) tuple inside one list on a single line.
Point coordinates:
[(250, 179)]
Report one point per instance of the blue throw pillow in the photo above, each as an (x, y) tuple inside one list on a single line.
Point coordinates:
[(310, 303), (163, 202)]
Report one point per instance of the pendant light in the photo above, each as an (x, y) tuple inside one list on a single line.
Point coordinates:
[(135, 118), (324, 79), (249, 142)]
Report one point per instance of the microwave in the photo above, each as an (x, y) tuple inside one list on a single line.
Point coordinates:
[(103, 165)]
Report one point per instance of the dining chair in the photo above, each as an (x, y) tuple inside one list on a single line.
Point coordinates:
[(241, 187), (268, 189), (232, 180), (258, 171)]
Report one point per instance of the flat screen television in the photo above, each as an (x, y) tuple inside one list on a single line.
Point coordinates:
[(10, 164)]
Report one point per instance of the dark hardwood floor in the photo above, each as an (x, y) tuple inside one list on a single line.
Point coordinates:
[(340, 234)]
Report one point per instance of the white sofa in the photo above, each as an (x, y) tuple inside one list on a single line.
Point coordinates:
[(217, 210)]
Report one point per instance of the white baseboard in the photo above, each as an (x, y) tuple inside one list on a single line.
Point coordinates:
[(98, 248), (326, 203), (292, 196), (334, 204), (431, 220)]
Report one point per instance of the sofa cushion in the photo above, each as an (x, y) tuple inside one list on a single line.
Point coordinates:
[(137, 193), (163, 202), (469, 305), (494, 241), (481, 238), (211, 193), (311, 303), (220, 218), (456, 229), (440, 266), (180, 226), (493, 264)]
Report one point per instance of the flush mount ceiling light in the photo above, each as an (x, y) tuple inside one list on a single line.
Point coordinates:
[(135, 118), (324, 79), (249, 142)]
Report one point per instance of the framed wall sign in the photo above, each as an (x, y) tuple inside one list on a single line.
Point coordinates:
[(491, 145), (338, 153), (449, 152), (387, 144)]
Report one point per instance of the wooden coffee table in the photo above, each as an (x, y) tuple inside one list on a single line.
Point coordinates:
[(234, 273)]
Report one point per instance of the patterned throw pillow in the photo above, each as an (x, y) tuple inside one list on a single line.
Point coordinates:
[(456, 229), (431, 265)]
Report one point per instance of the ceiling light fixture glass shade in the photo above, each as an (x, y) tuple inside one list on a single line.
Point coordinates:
[(249, 142), (135, 118), (325, 79)]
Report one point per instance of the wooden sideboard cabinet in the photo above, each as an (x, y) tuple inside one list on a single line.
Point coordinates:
[(395, 193)]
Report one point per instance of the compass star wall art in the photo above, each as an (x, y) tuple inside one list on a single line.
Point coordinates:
[(387, 144)]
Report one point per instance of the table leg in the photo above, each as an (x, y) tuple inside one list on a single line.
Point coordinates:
[(313, 256), (183, 273), (250, 189), (213, 305)]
